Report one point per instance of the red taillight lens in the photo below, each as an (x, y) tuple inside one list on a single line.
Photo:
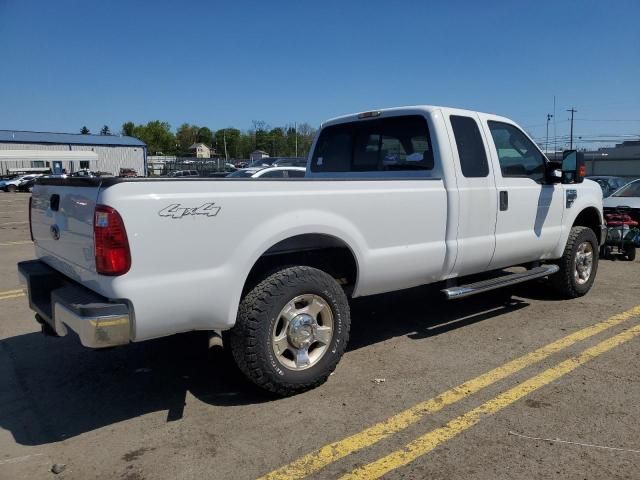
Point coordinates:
[(111, 244), (30, 226)]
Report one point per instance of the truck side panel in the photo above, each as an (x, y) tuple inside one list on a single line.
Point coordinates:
[(198, 247)]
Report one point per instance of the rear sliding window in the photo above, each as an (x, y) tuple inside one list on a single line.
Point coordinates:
[(473, 158), (386, 144)]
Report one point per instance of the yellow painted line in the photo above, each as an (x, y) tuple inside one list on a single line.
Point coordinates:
[(12, 223), (7, 292), (16, 295), (427, 442), (318, 459), (20, 242)]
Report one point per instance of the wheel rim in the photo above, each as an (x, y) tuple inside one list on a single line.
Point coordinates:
[(584, 263), (302, 332)]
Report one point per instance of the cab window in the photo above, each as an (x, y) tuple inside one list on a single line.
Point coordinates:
[(386, 144), (518, 156)]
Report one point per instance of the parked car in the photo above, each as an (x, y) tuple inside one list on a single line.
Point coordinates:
[(391, 199), (128, 172), (184, 173), (13, 184), (86, 173), (290, 162), (262, 162), (269, 172), (609, 183), (628, 196)]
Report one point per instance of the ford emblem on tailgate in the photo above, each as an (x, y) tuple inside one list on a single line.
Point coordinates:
[(55, 232)]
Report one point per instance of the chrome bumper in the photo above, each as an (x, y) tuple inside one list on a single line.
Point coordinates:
[(62, 305)]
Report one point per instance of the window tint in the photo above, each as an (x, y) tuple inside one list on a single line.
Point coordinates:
[(296, 173), (395, 143), (473, 158), (518, 156)]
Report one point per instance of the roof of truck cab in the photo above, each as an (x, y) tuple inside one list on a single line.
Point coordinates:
[(409, 109)]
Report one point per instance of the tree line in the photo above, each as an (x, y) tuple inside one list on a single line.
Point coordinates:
[(230, 142)]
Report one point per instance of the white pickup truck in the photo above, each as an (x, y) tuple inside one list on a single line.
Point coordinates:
[(391, 199)]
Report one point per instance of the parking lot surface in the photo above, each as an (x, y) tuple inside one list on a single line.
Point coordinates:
[(490, 387)]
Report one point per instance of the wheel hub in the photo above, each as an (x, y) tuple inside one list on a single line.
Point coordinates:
[(302, 330)]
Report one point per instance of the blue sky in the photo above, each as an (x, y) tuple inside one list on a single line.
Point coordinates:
[(70, 63)]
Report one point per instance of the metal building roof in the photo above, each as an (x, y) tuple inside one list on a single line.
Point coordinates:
[(17, 136)]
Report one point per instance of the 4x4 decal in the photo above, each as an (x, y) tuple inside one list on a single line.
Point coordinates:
[(178, 211)]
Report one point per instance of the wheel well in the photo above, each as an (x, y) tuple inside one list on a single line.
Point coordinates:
[(324, 252), (590, 218)]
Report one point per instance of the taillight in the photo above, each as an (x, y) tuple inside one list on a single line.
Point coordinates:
[(111, 244), (30, 226)]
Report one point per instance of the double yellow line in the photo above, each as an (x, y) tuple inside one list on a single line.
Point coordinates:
[(315, 461), (11, 294)]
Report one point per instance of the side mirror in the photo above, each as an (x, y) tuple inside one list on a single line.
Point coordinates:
[(573, 167)]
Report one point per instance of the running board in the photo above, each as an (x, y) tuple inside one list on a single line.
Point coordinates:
[(462, 291)]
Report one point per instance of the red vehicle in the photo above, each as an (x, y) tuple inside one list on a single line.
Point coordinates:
[(128, 172)]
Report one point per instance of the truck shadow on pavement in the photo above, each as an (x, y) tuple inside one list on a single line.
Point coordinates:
[(52, 389)]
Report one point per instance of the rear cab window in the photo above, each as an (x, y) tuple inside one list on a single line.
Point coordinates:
[(383, 147)]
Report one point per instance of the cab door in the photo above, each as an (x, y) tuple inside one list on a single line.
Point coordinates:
[(529, 218), (477, 194)]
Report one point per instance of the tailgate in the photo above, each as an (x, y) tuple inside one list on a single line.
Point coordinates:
[(62, 224)]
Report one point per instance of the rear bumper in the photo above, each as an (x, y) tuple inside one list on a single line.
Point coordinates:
[(63, 304)]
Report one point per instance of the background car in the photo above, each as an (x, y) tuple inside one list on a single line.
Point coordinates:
[(290, 162), (628, 196), (13, 184), (270, 172), (184, 173), (609, 183)]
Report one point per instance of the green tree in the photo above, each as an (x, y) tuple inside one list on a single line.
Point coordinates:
[(128, 129), (186, 135), (232, 137), (278, 143), (84, 130), (105, 130), (204, 135), (158, 137)]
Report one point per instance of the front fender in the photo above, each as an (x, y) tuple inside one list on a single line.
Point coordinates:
[(588, 196)]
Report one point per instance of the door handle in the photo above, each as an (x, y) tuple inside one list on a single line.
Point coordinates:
[(504, 200)]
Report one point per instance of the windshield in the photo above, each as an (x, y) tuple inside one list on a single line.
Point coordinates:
[(630, 190)]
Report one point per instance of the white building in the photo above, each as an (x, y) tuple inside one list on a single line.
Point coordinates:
[(43, 161), (201, 150), (258, 155), (112, 152)]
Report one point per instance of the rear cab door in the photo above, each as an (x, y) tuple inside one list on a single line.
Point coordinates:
[(529, 217), (477, 194)]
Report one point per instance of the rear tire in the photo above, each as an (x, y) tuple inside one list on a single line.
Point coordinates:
[(292, 329), (11, 188), (578, 264), (630, 253)]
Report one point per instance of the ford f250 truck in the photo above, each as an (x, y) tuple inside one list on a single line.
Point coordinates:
[(391, 199)]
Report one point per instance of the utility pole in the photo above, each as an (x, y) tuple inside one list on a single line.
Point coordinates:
[(224, 139), (572, 110), (546, 145), (295, 126)]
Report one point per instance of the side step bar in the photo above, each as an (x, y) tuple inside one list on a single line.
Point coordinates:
[(462, 291)]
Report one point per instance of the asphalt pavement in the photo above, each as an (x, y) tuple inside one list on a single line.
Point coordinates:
[(502, 386)]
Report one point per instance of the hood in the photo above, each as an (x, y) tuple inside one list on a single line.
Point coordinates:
[(612, 202)]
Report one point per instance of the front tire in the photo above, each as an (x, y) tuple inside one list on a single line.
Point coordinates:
[(578, 265), (291, 330)]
